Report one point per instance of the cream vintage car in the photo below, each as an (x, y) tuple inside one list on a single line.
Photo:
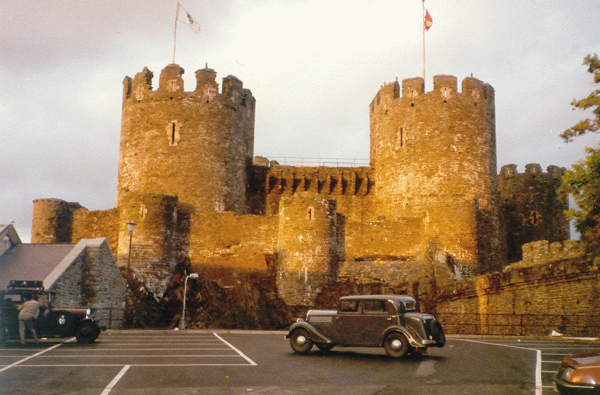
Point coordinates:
[(388, 321)]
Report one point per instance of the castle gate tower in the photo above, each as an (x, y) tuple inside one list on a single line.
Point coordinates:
[(194, 145), (434, 156)]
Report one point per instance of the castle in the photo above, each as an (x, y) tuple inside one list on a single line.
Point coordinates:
[(430, 199)]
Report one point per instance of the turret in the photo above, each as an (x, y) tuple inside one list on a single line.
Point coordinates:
[(52, 221), (194, 145), (531, 207), (435, 152)]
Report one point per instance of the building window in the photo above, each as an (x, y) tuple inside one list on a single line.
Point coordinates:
[(210, 93), (310, 214), (143, 211), (140, 92), (535, 218), (173, 133), (446, 93)]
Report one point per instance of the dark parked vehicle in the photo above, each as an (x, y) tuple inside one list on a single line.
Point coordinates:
[(579, 374), (51, 322), (390, 321)]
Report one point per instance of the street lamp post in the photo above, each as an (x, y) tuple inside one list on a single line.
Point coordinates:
[(130, 226), (191, 275)]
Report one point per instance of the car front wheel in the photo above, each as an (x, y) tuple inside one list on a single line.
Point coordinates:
[(438, 335), (300, 341), (396, 345), (87, 333)]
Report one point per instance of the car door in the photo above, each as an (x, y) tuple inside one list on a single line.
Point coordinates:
[(378, 315), (347, 324)]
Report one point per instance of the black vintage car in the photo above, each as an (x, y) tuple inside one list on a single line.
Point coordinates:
[(51, 322), (390, 321)]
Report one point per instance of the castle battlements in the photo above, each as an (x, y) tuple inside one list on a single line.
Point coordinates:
[(531, 170), (171, 87), (445, 88)]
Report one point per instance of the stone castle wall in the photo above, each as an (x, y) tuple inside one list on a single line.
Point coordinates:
[(96, 223), (553, 289), (188, 180)]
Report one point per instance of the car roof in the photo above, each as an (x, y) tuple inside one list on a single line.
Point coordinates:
[(402, 298)]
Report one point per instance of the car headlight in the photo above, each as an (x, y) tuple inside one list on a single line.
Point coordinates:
[(566, 375)]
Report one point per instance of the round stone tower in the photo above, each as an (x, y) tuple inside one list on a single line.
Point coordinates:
[(194, 145), (307, 247), (52, 221), (434, 156)]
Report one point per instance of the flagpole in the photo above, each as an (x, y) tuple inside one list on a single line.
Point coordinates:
[(423, 27), (175, 31)]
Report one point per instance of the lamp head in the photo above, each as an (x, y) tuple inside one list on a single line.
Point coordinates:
[(130, 226)]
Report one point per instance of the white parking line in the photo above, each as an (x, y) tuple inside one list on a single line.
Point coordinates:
[(114, 381), (538, 360), (34, 355), (238, 351), (538, 372), (218, 349)]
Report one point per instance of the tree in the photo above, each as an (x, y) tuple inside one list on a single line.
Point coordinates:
[(582, 182), (592, 101)]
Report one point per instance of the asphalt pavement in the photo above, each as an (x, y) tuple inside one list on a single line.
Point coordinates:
[(246, 362)]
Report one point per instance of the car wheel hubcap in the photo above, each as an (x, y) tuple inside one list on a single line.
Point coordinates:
[(301, 340), (396, 344)]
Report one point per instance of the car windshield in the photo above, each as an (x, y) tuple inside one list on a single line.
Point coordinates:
[(410, 305)]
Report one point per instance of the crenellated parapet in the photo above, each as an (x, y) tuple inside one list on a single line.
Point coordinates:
[(445, 88), (171, 87), (510, 174), (289, 180)]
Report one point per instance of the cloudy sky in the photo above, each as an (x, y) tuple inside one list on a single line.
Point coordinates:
[(313, 66)]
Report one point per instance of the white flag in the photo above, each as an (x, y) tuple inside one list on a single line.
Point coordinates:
[(185, 17)]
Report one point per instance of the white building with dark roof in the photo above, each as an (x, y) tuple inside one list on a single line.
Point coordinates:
[(79, 275)]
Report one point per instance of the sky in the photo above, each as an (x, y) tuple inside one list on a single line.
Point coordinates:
[(313, 66)]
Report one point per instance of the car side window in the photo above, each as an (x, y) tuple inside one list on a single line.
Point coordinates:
[(349, 306), (374, 307)]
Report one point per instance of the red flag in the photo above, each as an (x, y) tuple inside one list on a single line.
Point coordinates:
[(428, 20)]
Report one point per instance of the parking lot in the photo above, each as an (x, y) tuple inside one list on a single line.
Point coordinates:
[(203, 362)]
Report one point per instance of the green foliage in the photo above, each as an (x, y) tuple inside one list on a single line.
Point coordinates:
[(592, 101), (583, 183)]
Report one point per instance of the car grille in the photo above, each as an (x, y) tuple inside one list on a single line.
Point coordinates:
[(428, 326)]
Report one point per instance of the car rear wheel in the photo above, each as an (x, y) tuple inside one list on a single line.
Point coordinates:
[(300, 341), (396, 345), (87, 333)]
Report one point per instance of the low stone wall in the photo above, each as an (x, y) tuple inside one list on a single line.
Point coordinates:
[(526, 299)]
